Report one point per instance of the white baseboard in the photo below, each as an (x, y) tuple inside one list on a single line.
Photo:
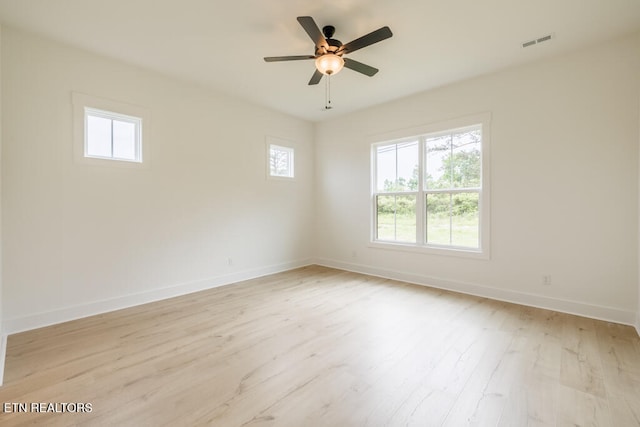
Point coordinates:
[(39, 320), (609, 314)]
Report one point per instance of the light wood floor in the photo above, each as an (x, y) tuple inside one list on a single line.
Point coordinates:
[(322, 347)]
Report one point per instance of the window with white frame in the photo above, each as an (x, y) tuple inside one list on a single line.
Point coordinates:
[(281, 161), (431, 191), (110, 135)]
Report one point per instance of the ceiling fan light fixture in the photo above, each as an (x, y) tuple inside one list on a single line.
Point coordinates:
[(329, 63)]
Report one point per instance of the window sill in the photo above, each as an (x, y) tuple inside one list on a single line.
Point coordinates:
[(281, 178), (110, 162), (429, 250)]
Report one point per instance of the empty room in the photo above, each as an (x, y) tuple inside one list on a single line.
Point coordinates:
[(337, 213)]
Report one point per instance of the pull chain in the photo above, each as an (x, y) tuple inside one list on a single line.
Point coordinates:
[(327, 94)]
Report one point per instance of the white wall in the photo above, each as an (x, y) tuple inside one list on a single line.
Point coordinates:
[(82, 239), (564, 153), (3, 336), (638, 307)]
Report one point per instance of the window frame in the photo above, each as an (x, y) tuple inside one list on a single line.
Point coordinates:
[(282, 145), (111, 109), (421, 134)]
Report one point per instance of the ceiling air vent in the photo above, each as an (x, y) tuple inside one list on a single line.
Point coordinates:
[(537, 40)]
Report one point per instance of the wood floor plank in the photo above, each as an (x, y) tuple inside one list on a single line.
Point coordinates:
[(532, 399), (322, 347), (577, 408), (581, 367)]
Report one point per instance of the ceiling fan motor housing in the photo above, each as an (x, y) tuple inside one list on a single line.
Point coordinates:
[(333, 45)]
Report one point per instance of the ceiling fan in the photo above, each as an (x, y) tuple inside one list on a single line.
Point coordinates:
[(329, 51)]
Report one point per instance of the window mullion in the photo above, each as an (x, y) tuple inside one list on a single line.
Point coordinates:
[(453, 190), (396, 166), (451, 186), (397, 193), (451, 218), (395, 216), (111, 137), (420, 208)]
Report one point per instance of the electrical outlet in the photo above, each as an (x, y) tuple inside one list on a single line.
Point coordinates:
[(229, 261), (546, 280), (354, 254)]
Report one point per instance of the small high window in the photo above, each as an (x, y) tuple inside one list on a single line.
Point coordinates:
[(281, 161), (110, 135)]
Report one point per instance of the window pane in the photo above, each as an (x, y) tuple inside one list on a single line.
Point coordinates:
[(407, 171), (438, 219), (98, 136), (438, 169), (397, 167), (465, 220), (406, 219), (396, 218), (278, 161), (466, 159), (124, 140), (385, 211), (386, 167), (281, 161)]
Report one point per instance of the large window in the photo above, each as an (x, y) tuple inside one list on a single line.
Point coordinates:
[(431, 191)]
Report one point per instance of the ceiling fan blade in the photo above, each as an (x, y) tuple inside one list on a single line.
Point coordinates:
[(315, 79), (360, 67), (314, 32), (366, 40), (287, 58)]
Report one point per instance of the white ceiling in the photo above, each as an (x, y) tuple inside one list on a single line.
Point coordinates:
[(221, 44)]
